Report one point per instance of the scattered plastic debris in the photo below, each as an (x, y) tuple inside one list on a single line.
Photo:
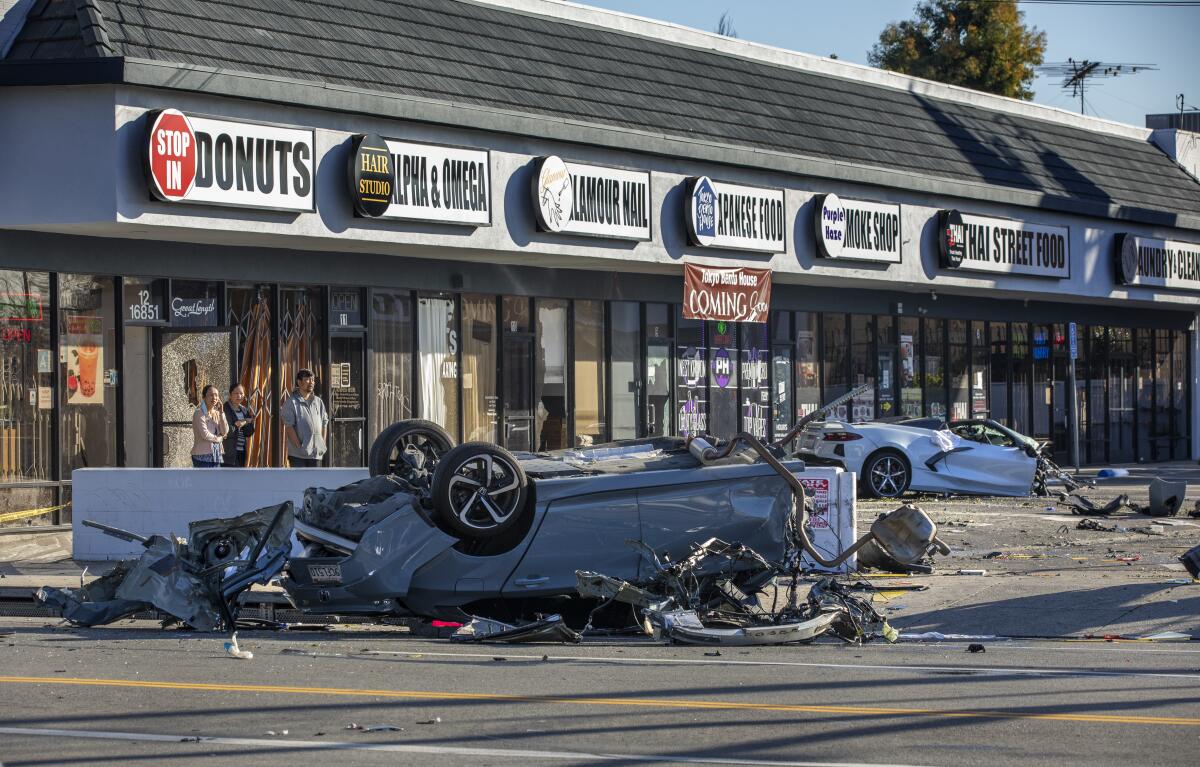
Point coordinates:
[(232, 649), (972, 571), (1112, 473), (435, 720), (976, 648)]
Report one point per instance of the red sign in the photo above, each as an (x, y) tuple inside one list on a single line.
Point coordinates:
[(172, 155), (732, 294)]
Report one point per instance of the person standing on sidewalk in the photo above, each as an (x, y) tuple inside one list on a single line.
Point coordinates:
[(305, 423), (209, 429), (240, 417)]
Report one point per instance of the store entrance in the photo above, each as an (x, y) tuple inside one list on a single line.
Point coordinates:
[(187, 361), (347, 413)]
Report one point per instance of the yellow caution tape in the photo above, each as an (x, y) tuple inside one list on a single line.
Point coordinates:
[(14, 515)]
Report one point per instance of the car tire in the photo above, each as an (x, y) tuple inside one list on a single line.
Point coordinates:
[(479, 491), (886, 474), (426, 436)]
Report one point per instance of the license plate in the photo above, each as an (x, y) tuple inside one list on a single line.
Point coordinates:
[(325, 573)]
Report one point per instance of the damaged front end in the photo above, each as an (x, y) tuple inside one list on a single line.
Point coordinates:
[(195, 580)]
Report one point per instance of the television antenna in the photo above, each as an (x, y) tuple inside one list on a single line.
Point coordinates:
[(1076, 74)]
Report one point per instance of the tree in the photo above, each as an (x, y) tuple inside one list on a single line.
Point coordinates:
[(980, 44), (725, 25)]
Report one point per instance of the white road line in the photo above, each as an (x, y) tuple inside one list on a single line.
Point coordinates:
[(982, 670), (492, 753)]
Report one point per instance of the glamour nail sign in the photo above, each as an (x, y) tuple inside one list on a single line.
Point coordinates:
[(733, 216), (209, 161), (1002, 246), (591, 200)]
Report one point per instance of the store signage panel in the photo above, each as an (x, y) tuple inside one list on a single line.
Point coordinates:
[(193, 304), (733, 216), (144, 301), (591, 200), (204, 160), (1158, 263), (420, 182), (1001, 246), (729, 294), (857, 230)]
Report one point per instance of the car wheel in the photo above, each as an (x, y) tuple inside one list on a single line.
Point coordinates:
[(479, 490), (409, 449), (886, 474)]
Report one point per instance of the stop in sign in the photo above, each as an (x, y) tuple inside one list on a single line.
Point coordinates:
[(172, 155)]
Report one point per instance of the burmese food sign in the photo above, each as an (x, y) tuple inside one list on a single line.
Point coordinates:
[(723, 293)]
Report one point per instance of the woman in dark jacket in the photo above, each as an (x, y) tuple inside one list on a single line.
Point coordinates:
[(240, 417)]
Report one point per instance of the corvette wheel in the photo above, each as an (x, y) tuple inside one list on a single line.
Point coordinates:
[(886, 475), (479, 490), (409, 449)]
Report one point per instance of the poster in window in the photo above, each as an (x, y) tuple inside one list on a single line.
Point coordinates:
[(84, 355)]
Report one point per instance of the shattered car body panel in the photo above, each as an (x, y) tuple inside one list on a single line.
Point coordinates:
[(586, 504), (548, 629), (196, 581)]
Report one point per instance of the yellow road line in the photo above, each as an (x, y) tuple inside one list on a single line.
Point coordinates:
[(631, 702)]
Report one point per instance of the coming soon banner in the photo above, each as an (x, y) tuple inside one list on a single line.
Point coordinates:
[(732, 294)]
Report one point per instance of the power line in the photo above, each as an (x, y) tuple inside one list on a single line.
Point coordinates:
[(1076, 74)]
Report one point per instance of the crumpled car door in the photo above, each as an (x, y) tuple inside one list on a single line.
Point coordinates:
[(989, 470)]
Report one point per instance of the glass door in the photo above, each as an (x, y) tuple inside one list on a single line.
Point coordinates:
[(347, 415), (188, 361), (1122, 388), (518, 392)]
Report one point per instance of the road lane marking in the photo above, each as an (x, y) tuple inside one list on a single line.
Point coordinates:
[(981, 670), (712, 705), (488, 753)]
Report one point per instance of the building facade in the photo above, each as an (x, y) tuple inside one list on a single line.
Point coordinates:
[(480, 213)]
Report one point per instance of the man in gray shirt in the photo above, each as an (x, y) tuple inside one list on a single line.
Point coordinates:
[(305, 422)]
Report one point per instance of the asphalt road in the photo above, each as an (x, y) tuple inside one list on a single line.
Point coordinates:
[(135, 694)]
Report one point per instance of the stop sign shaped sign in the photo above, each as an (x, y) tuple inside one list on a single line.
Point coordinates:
[(172, 155)]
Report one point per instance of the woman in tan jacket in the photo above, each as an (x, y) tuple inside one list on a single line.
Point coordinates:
[(209, 429)]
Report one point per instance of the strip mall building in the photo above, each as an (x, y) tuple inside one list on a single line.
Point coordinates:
[(480, 212)]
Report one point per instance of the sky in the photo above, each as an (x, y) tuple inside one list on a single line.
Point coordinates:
[(1167, 37)]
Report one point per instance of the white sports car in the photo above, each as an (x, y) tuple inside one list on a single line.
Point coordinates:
[(926, 455)]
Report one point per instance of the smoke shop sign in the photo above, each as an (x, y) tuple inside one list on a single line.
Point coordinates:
[(193, 159), (1001, 246), (1158, 263), (729, 294), (733, 216), (591, 200), (857, 231), (420, 182)]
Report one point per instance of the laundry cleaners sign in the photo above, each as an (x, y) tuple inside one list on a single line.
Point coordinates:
[(591, 200), (1158, 263), (1001, 246), (733, 216), (726, 294), (854, 230), (204, 160), (420, 182)]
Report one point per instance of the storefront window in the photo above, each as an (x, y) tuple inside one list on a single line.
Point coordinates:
[(1081, 390), (723, 379), (437, 347), (391, 340), (885, 365), (1180, 401), (935, 367), (756, 387), (980, 370), (808, 371), (517, 365), (26, 369), (959, 369), (781, 374), (248, 312), (658, 370), (88, 370), (1097, 400), (1041, 366), (998, 368), (1060, 406), (1021, 373), (589, 372), (691, 375), (862, 368), (1145, 418), (1162, 395), (1122, 388), (480, 414), (910, 375), (550, 378), (626, 334), (301, 324), (835, 358)]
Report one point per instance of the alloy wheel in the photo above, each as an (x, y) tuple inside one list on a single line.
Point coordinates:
[(888, 476), (484, 492)]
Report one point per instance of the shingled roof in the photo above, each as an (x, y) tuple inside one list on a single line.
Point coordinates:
[(462, 52)]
